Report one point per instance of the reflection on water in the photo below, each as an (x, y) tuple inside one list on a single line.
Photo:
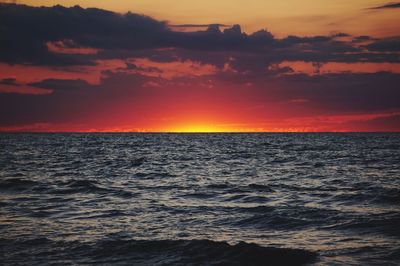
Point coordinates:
[(334, 194)]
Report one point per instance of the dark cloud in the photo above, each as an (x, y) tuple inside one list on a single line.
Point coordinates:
[(25, 32), (390, 123), (59, 85), (341, 35), (387, 6), (363, 39), (71, 100), (197, 25), (385, 45), (8, 81), (347, 92)]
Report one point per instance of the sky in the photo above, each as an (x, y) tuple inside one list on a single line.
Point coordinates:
[(200, 66)]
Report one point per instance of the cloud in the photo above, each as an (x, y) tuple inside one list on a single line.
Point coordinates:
[(26, 30), (311, 68), (25, 74), (384, 123), (387, 6), (69, 47), (386, 45), (22, 89), (169, 70), (189, 27), (77, 36), (346, 92)]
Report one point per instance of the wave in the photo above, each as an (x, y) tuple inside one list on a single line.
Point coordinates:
[(376, 224), (241, 189), (138, 161), (42, 251), (85, 185), (267, 217), (372, 194), (261, 188), (17, 184), (153, 175), (79, 186)]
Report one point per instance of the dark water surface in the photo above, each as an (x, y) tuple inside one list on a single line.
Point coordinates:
[(200, 199)]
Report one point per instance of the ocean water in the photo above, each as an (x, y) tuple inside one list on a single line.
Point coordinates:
[(200, 199)]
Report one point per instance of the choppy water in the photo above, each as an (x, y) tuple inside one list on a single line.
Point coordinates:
[(182, 199)]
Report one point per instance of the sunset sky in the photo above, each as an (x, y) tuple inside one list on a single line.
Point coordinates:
[(200, 66)]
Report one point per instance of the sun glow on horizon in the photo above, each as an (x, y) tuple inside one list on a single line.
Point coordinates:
[(196, 128), (213, 128)]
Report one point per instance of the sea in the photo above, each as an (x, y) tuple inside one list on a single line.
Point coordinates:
[(200, 199)]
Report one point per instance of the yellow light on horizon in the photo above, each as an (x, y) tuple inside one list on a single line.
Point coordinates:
[(196, 128), (212, 128)]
